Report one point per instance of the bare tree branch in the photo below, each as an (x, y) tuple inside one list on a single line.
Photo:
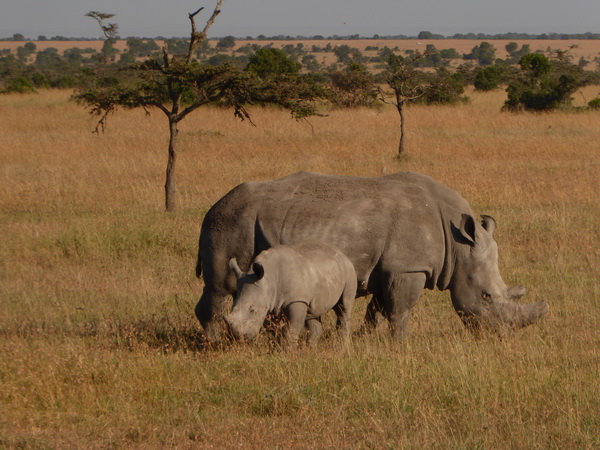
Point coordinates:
[(196, 12), (197, 38), (210, 21)]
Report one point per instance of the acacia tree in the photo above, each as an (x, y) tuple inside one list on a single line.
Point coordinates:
[(543, 84), (110, 31), (484, 53), (406, 84), (178, 85), (352, 86)]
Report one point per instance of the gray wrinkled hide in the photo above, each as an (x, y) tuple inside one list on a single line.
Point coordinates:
[(403, 232), (303, 281)]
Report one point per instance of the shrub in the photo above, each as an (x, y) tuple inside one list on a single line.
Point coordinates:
[(484, 53), (445, 87), (594, 104), (272, 61), (20, 85), (541, 86), (488, 79)]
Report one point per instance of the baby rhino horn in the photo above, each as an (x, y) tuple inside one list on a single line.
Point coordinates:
[(233, 265)]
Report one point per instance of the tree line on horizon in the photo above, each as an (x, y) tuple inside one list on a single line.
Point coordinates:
[(422, 35)]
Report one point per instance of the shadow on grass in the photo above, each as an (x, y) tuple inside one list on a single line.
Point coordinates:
[(160, 334), (183, 335), (153, 332), (170, 336), (167, 334)]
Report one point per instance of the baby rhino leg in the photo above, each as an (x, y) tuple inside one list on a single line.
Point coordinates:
[(315, 329), (296, 315)]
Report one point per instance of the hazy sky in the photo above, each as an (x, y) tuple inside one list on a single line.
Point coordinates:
[(241, 18)]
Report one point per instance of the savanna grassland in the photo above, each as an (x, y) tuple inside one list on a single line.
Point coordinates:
[(99, 346)]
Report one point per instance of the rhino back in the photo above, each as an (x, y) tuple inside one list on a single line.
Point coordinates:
[(387, 223)]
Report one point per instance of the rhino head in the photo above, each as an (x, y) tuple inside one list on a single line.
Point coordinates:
[(479, 295), (251, 303)]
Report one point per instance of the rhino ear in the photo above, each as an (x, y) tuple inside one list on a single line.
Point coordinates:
[(233, 265), (467, 228), (489, 224), (258, 270)]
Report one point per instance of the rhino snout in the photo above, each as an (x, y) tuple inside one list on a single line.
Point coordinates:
[(240, 327), (234, 325), (228, 321)]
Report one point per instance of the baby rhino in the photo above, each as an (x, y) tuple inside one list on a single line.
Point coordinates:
[(304, 281)]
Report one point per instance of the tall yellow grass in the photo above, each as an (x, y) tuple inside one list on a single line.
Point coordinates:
[(98, 344)]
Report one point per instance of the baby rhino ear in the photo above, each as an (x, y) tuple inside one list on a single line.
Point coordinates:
[(258, 270), (233, 265)]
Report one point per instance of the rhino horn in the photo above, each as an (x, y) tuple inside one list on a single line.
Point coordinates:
[(516, 292), (230, 329)]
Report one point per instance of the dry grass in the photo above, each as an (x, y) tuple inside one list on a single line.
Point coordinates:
[(99, 346)]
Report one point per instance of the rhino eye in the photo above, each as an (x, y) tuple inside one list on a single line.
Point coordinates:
[(252, 310), (486, 296)]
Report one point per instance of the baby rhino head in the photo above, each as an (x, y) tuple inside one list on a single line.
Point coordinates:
[(251, 303)]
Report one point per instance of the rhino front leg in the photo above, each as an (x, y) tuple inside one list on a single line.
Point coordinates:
[(401, 294), (296, 315), (210, 311)]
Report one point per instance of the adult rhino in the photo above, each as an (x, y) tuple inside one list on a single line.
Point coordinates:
[(403, 232)]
